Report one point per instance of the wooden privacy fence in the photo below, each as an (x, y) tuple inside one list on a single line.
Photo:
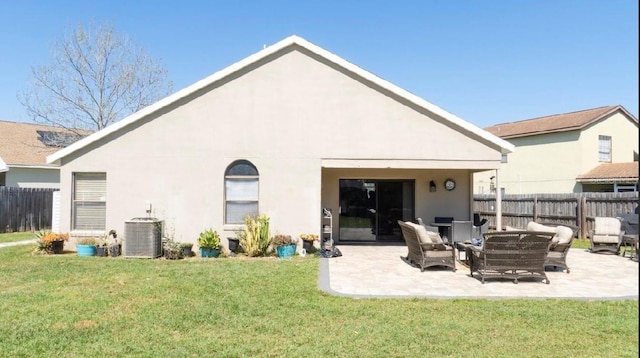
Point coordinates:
[(25, 209), (577, 209)]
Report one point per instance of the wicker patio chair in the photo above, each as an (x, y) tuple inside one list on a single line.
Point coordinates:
[(560, 244), (461, 231), (424, 250), (606, 235), (511, 254)]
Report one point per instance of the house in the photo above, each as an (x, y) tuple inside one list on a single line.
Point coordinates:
[(23, 152), (594, 150), (285, 132)]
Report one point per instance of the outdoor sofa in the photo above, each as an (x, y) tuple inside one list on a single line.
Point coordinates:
[(510, 254), (426, 248)]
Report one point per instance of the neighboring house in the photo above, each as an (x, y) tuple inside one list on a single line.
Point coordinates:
[(285, 132), (23, 151), (594, 150)]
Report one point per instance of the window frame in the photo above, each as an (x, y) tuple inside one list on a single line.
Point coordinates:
[(101, 201), (246, 179), (604, 148)]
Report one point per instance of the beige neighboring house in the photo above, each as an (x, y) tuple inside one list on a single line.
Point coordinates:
[(594, 150), (23, 151), (284, 132)]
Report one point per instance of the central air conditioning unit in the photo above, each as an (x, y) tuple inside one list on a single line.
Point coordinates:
[(143, 238)]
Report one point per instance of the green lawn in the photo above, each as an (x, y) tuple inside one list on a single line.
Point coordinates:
[(65, 305), (16, 236)]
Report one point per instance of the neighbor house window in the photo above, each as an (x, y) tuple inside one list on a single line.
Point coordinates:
[(89, 201), (604, 148), (241, 191)]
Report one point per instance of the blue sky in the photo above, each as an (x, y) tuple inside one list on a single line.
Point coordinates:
[(489, 62)]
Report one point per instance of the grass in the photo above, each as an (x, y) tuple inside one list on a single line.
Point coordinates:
[(16, 236), (65, 305), (580, 244)]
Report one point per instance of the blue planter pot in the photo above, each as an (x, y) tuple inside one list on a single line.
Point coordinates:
[(207, 252), (285, 251), (86, 250)]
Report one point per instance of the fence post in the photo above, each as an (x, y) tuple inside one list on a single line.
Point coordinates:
[(535, 208), (582, 214)]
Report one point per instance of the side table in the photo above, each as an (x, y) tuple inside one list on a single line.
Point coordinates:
[(630, 239), (462, 246)]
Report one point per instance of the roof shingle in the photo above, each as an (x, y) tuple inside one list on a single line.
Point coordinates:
[(618, 172), (554, 123), (21, 144)]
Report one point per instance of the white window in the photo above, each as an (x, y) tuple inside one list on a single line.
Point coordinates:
[(504, 159), (604, 148), (241, 191), (89, 201)]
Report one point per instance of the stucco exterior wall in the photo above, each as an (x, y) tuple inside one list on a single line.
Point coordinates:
[(624, 140), (455, 203), (287, 117), (33, 178)]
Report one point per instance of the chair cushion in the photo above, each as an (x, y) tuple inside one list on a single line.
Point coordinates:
[(509, 228), (421, 233), (605, 239), (607, 226), (534, 226), (435, 237), (441, 253), (564, 234)]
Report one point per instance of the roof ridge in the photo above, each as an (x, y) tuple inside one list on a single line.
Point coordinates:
[(555, 115), (263, 54)]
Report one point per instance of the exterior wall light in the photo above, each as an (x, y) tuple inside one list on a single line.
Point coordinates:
[(432, 186)]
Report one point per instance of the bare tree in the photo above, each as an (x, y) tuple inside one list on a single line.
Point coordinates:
[(96, 78)]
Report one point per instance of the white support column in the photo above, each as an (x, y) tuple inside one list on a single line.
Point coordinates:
[(498, 203)]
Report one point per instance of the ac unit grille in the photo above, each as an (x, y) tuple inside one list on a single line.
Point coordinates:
[(143, 238)]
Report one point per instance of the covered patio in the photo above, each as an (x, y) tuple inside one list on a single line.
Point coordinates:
[(366, 271)]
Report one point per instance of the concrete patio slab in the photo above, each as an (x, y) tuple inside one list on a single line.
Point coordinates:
[(379, 271)]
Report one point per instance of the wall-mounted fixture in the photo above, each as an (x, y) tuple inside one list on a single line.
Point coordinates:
[(432, 186)]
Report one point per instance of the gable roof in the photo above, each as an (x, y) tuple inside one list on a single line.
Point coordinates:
[(611, 172), (22, 144), (282, 46), (554, 123)]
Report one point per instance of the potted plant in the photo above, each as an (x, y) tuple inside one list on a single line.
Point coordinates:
[(209, 243), (186, 248), (86, 246), (308, 241), (101, 248), (50, 242), (234, 244), (114, 244), (172, 250), (285, 245)]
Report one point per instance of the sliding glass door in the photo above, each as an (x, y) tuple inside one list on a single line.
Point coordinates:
[(370, 209)]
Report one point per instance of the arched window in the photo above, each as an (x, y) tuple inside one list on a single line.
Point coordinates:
[(241, 191)]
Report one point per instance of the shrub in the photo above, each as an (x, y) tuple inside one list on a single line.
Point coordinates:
[(254, 238), (280, 240), (45, 240)]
